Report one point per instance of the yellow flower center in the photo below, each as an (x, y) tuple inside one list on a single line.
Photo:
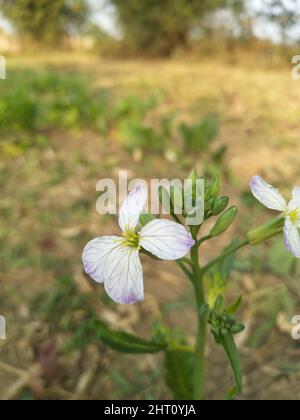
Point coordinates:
[(294, 216), (131, 239)]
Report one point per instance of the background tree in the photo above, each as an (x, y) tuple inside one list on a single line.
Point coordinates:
[(285, 14), (158, 27), (45, 20)]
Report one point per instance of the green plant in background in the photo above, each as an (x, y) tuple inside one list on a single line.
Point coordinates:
[(138, 135), (198, 137), (45, 101), (114, 261)]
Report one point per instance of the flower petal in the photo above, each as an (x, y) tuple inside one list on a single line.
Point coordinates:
[(132, 208), (117, 266), (267, 195), (165, 239), (96, 255), (296, 194), (292, 238), (124, 278)]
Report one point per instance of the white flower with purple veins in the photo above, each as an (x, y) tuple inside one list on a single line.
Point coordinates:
[(115, 261), (271, 198)]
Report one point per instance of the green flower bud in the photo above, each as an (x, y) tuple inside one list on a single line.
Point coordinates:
[(223, 331), (224, 222), (165, 200), (192, 185), (237, 328), (209, 204), (177, 198), (215, 187), (215, 330), (193, 175), (220, 205)]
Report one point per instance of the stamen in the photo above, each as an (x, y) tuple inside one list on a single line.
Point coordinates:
[(294, 216), (131, 239)]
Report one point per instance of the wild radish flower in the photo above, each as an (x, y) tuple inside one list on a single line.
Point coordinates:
[(272, 199), (115, 261)]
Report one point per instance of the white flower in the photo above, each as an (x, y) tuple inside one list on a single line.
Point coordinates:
[(115, 261), (271, 198)]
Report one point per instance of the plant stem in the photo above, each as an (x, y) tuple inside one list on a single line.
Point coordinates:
[(186, 271), (200, 242), (225, 254), (199, 379)]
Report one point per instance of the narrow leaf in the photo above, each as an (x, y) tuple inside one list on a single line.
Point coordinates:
[(125, 342), (235, 306), (229, 346)]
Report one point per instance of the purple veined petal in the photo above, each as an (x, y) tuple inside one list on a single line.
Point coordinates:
[(132, 208), (124, 280), (296, 194), (96, 255), (166, 240), (267, 195), (117, 266), (292, 238)]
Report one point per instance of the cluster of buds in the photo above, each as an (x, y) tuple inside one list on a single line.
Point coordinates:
[(216, 205), (222, 321)]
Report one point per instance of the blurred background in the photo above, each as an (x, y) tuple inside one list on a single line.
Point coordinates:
[(156, 88)]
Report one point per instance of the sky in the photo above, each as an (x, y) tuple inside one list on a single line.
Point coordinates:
[(104, 16)]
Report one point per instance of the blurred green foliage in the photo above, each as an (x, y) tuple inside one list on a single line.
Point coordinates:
[(32, 103), (200, 135), (50, 101)]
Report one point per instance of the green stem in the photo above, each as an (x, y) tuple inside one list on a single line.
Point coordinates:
[(186, 271), (199, 379), (225, 254), (202, 240)]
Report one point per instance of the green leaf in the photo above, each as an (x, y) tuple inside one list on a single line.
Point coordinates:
[(125, 342), (179, 365), (232, 309), (218, 305), (229, 346)]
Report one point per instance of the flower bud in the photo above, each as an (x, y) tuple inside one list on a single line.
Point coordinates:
[(209, 204), (193, 175), (224, 222), (237, 328), (220, 205), (215, 187), (165, 200)]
